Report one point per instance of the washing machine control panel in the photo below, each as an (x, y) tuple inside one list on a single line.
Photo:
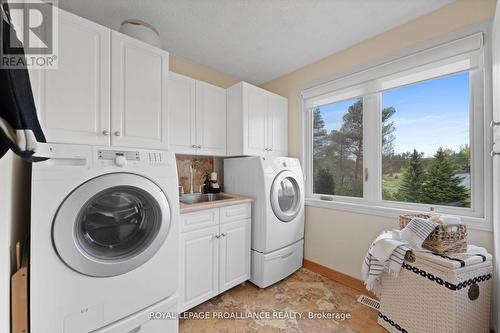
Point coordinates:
[(122, 158)]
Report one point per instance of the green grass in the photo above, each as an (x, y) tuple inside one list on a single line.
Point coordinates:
[(390, 184), (393, 180)]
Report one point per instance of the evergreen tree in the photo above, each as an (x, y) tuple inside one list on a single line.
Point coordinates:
[(413, 179), (353, 131), (324, 183), (388, 130), (442, 186), (320, 135)]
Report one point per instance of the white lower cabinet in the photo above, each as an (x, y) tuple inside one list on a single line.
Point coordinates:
[(199, 266), (234, 254), (215, 252)]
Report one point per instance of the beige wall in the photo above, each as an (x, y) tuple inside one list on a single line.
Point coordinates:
[(186, 67), (339, 239)]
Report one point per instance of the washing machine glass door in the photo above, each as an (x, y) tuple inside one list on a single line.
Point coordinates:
[(286, 196), (111, 224)]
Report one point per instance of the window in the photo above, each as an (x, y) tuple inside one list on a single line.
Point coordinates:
[(405, 135), (425, 142), (338, 148)]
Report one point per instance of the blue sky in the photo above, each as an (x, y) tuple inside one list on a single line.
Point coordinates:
[(428, 115)]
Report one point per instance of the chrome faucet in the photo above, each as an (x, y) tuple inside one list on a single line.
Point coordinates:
[(191, 174)]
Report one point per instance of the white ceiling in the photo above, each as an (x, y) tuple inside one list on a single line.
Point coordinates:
[(257, 40)]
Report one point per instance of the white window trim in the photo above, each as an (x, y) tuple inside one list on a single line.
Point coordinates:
[(447, 55)]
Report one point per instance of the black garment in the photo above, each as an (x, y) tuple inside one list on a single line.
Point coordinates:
[(17, 106)]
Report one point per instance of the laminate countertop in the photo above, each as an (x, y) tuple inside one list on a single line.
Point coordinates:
[(235, 199)]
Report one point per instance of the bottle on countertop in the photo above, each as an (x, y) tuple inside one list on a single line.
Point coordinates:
[(211, 183)]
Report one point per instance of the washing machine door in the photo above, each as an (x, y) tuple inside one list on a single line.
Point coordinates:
[(111, 224), (286, 196)]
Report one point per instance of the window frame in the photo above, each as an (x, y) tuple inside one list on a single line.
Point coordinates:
[(469, 53)]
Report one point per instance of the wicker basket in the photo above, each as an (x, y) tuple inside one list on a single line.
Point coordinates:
[(444, 239), (435, 294)]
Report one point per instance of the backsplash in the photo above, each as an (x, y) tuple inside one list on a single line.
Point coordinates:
[(202, 165)]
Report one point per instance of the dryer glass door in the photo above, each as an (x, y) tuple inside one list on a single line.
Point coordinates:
[(286, 198), (111, 224)]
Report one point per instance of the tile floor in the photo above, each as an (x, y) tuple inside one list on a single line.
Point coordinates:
[(302, 292)]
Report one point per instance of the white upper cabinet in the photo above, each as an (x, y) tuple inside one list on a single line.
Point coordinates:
[(277, 125), (139, 78), (72, 101), (210, 119), (257, 121), (255, 126), (197, 113), (108, 89), (181, 111)]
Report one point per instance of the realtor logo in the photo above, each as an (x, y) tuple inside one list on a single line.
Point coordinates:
[(29, 38)]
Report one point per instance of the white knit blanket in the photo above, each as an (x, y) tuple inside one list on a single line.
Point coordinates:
[(388, 251)]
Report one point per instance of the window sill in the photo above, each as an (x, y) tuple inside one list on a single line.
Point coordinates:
[(471, 222)]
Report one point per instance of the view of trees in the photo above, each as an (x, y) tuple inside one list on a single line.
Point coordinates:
[(410, 177), (338, 155)]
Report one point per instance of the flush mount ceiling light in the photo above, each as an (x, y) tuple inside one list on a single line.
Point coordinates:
[(142, 31)]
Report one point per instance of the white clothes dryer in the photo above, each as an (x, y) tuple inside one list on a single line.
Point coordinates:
[(277, 184)]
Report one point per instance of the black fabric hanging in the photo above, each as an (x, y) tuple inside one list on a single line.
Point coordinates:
[(18, 118)]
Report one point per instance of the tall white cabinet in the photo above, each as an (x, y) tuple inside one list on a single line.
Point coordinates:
[(109, 89), (257, 121), (197, 112)]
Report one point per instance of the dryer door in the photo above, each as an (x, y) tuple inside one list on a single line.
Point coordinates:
[(286, 196), (111, 224)]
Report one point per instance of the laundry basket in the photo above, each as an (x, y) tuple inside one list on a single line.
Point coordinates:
[(438, 294), (444, 239)]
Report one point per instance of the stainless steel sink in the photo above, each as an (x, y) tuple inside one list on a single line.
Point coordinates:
[(205, 197)]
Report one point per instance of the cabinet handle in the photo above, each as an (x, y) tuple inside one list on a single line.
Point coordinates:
[(117, 133), (496, 149), (217, 236), (193, 146), (105, 132), (270, 149), (198, 146), (223, 234)]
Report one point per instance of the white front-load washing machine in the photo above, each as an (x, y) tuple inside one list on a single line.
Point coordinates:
[(277, 184), (103, 240)]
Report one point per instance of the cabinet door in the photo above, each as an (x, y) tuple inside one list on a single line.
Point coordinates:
[(210, 119), (199, 271), (277, 126), (181, 114), (256, 121), (234, 254), (72, 101), (139, 77)]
